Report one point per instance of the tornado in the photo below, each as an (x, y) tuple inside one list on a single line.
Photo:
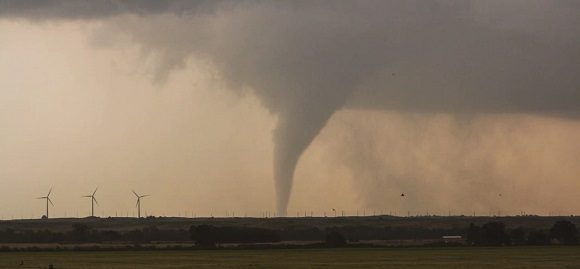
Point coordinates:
[(304, 60), (293, 134)]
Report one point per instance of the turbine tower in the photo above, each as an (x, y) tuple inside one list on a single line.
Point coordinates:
[(139, 202), (47, 197), (93, 201)]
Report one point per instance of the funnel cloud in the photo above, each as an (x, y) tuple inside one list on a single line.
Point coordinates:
[(306, 60)]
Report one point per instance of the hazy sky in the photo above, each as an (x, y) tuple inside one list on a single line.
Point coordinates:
[(208, 106)]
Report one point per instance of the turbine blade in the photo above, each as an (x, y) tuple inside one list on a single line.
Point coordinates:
[(41, 198), (145, 195), (87, 196), (95, 191), (50, 201), (94, 199), (135, 193), (49, 191)]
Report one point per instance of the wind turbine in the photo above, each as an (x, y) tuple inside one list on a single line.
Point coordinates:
[(47, 197), (139, 202), (93, 201)]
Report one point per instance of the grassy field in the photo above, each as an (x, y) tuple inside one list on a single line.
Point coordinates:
[(507, 257)]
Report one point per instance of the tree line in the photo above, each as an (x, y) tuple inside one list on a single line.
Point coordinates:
[(82, 233), (495, 234), (489, 234)]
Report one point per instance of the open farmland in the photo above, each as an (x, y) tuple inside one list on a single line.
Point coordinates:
[(507, 257)]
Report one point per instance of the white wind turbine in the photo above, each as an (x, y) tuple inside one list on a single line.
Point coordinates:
[(47, 197), (139, 202), (93, 201)]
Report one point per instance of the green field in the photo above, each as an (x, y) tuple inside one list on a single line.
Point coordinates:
[(506, 257)]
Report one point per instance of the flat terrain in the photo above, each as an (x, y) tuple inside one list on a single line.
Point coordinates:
[(506, 257), (431, 222)]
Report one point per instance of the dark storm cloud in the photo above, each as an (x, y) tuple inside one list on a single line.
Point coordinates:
[(87, 9), (306, 60)]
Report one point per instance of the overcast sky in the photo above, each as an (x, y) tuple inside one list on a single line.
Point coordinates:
[(253, 106)]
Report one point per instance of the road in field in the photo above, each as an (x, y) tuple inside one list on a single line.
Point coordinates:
[(496, 258)]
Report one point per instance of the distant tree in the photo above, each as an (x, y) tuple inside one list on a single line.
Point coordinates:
[(518, 236), (335, 239), (538, 238), (135, 236), (204, 235), (490, 234), (110, 236), (302, 233), (565, 232), (493, 234), (151, 233), (474, 234), (80, 232)]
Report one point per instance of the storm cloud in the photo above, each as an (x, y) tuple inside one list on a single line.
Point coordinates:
[(305, 60)]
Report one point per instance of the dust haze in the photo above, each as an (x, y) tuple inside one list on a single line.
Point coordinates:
[(451, 102)]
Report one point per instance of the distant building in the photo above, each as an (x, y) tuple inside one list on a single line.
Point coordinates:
[(452, 238)]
